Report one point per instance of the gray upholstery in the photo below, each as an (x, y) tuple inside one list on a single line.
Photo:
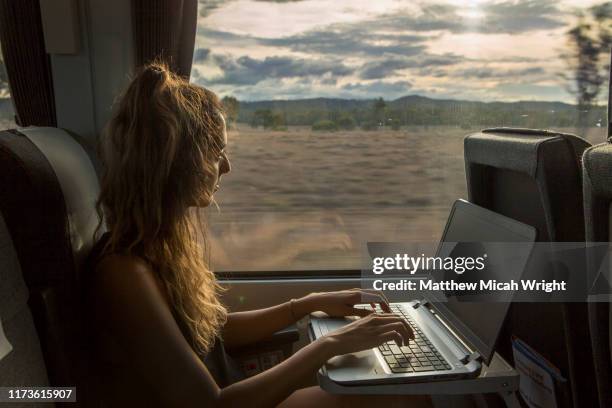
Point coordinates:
[(526, 146), (78, 181), (48, 189), (24, 365), (483, 149), (545, 163), (598, 173), (597, 165), (534, 176)]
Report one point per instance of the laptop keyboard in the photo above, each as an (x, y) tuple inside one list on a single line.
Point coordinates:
[(418, 356)]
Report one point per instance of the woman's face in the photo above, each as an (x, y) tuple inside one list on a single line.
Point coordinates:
[(221, 166)]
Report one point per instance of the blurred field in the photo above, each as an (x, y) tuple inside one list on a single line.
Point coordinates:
[(298, 200)]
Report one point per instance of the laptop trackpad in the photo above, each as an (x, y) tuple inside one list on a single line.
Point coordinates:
[(349, 367), (332, 324)]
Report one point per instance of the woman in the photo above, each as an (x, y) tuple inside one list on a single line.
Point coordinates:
[(157, 321)]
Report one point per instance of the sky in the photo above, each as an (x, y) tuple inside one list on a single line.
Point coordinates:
[(483, 50)]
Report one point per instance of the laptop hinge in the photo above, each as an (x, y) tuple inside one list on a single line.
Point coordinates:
[(463, 349), (475, 356), (420, 303)]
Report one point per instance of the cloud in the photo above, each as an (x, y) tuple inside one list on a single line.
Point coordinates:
[(527, 91), (406, 32), (502, 17), (200, 55), (485, 73), (329, 81), (369, 57), (388, 89), (350, 39), (385, 68), (522, 16), (249, 71), (217, 40), (336, 40), (270, 89), (382, 69), (208, 6)]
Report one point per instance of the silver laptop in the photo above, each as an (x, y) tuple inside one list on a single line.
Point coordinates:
[(452, 337)]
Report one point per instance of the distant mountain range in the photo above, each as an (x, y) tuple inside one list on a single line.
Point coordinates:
[(403, 102)]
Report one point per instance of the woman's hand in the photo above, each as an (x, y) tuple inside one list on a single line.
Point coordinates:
[(341, 303), (365, 333)]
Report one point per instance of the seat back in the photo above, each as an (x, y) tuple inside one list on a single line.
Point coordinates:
[(48, 188), (534, 176), (24, 364), (597, 175)]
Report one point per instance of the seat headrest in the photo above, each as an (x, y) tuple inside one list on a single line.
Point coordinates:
[(48, 188), (597, 163), (491, 147), (78, 180)]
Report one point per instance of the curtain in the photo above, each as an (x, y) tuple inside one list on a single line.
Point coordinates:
[(165, 29), (27, 64)]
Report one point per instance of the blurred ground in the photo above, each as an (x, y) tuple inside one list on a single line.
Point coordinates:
[(299, 200)]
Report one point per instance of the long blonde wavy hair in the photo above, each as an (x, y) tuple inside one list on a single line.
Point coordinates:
[(157, 152)]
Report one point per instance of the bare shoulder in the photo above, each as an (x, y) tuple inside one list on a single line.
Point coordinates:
[(114, 262), (120, 270), (134, 320), (122, 280)]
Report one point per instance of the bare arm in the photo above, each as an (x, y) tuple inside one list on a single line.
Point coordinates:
[(129, 303), (251, 326)]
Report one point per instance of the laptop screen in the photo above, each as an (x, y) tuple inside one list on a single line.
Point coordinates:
[(472, 231)]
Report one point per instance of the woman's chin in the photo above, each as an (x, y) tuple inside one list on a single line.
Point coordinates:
[(204, 202)]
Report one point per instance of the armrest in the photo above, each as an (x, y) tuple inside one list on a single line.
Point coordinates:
[(281, 340), (266, 353)]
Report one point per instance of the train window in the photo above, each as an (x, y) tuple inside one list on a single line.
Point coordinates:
[(346, 118), (7, 114)]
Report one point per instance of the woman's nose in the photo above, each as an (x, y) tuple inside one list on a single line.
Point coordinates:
[(226, 167)]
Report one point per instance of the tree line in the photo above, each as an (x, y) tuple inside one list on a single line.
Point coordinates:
[(369, 115)]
